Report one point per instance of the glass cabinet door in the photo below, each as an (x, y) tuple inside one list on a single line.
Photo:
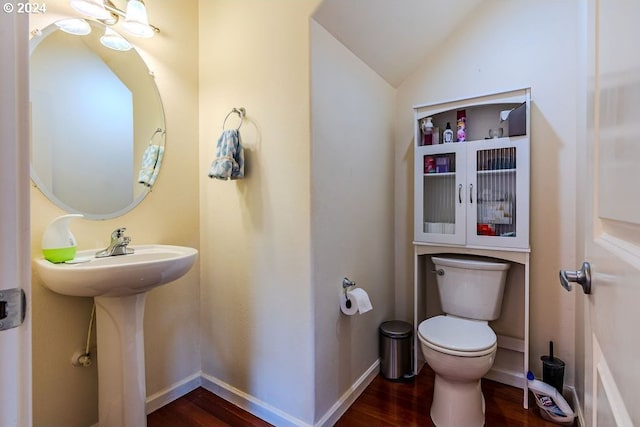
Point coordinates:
[(498, 169), (440, 213)]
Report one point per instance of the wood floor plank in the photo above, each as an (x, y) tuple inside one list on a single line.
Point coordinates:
[(201, 408), (223, 410)]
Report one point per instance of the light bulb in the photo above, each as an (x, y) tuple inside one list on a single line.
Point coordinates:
[(114, 41), (77, 27), (136, 21)]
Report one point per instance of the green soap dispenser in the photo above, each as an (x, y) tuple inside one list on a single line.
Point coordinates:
[(58, 244)]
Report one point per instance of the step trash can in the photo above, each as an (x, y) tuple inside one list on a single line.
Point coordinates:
[(395, 350)]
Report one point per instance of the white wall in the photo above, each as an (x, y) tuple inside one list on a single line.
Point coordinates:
[(510, 45), (271, 325), (172, 312), (256, 296), (351, 211)]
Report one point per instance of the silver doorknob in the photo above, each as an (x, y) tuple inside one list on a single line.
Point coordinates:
[(581, 277)]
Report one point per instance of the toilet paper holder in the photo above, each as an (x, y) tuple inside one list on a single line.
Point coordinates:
[(346, 284)]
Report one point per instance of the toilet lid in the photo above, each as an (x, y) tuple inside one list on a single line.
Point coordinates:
[(457, 334)]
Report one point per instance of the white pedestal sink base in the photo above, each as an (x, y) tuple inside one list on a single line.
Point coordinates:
[(121, 376), (119, 285)]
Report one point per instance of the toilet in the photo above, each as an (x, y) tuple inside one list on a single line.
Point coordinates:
[(460, 346)]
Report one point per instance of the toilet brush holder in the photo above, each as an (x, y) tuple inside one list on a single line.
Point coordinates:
[(553, 370)]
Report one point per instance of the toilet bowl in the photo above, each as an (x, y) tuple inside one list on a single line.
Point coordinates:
[(460, 346), (460, 352)]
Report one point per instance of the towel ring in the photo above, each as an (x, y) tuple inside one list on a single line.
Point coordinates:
[(241, 112), (158, 130)]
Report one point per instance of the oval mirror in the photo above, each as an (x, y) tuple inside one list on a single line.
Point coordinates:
[(95, 112)]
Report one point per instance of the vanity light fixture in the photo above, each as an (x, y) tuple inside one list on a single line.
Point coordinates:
[(114, 41), (75, 26), (135, 21)]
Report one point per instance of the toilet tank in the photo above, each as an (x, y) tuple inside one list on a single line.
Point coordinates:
[(471, 288)]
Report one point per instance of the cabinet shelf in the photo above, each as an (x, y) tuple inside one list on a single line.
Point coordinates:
[(439, 174), (496, 171), (470, 141)]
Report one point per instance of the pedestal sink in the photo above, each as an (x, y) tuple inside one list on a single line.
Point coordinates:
[(119, 285)]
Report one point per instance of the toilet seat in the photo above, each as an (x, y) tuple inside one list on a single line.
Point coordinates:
[(457, 336)]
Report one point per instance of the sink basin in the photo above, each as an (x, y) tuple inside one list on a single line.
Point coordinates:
[(122, 275)]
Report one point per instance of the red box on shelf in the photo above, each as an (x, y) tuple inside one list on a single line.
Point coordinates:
[(429, 164)]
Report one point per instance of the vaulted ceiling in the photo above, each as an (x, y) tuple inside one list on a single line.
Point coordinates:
[(393, 36)]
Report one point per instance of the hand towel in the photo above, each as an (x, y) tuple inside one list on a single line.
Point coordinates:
[(151, 159), (156, 168), (229, 162)]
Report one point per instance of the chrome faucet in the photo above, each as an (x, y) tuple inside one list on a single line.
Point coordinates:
[(118, 245)]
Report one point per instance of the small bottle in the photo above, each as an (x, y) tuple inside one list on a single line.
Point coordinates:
[(447, 135), (426, 125), (462, 126)]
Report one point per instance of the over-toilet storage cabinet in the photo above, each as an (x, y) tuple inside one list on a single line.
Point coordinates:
[(472, 198), (476, 192)]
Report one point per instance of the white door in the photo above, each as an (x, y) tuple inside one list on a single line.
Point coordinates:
[(609, 181), (15, 265)]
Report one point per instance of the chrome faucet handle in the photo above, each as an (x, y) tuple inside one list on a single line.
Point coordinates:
[(118, 245), (118, 233)]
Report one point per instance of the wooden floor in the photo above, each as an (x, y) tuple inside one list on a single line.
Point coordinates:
[(383, 403)]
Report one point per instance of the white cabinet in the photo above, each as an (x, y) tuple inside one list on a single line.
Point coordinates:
[(472, 198), (475, 192)]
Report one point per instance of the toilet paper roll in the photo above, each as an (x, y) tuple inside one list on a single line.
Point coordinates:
[(360, 302), (349, 311)]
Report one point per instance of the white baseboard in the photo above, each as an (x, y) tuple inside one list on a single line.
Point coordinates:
[(577, 406), (255, 406), (171, 393), (346, 400)]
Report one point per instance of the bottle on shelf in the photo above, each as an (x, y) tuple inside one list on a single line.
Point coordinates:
[(462, 126), (426, 126), (447, 135)]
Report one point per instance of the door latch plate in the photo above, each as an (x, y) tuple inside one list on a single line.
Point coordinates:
[(13, 307)]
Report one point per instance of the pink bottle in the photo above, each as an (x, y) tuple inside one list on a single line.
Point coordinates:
[(462, 126)]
